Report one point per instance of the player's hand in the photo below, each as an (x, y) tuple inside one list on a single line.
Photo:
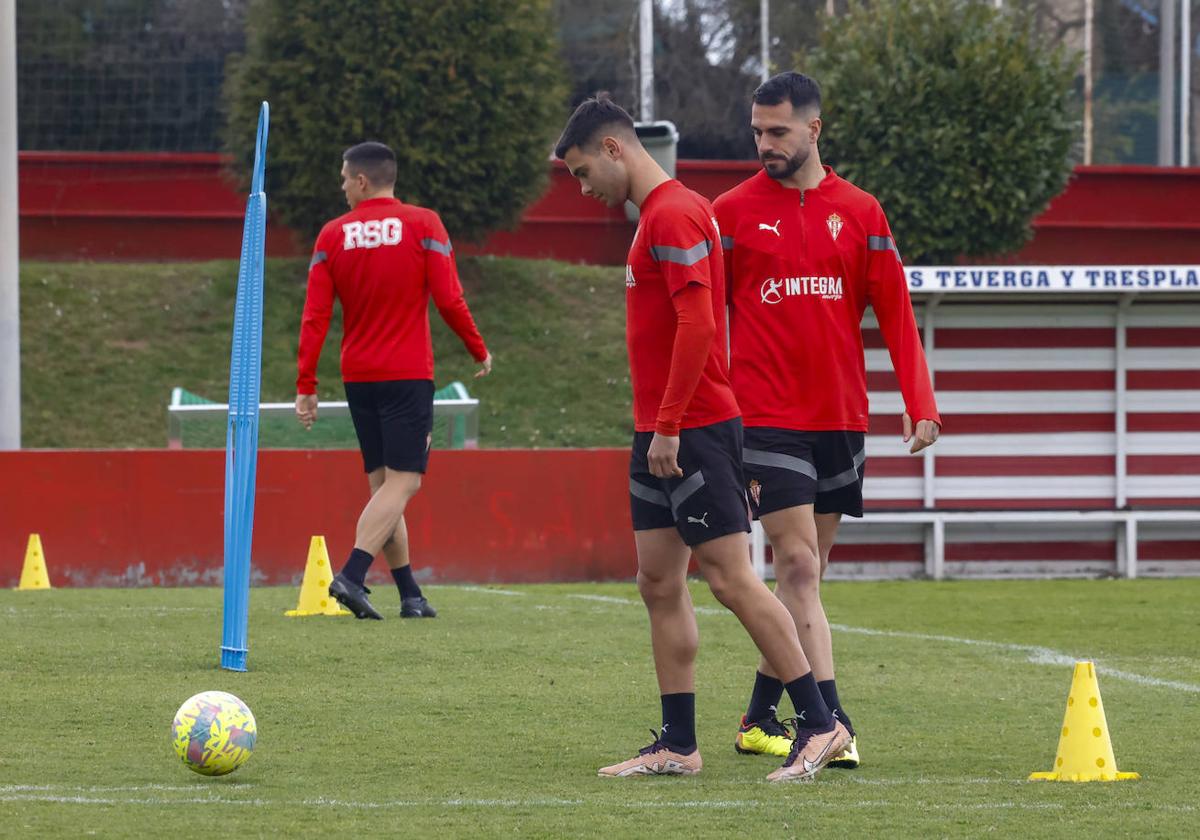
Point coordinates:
[(485, 367), (926, 433), (306, 409), (663, 457)]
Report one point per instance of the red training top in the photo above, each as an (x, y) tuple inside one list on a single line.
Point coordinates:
[(383, 260), (802, 268), (675, 315)]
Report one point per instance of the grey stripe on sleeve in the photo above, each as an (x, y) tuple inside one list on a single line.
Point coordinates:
[(727, 242), (683, 256), (763, 458), (318, 257), (882, 243), (443, 248)]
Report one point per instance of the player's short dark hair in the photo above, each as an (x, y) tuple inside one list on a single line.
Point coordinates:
[(375, 160), (589, 120), (802, 91)]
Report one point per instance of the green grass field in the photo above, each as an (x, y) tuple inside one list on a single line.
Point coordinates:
[(120, 336), (492, 719)]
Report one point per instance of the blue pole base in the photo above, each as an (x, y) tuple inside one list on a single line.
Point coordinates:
[(233, 659)]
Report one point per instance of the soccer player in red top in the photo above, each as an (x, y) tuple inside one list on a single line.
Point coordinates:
[(686, 487), (383, 260), (806, 252)]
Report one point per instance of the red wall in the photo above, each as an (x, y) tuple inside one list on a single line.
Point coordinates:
[(180, 206), (155, 517)]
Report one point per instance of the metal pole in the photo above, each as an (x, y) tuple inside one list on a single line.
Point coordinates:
[(1166, 84), (1185, 79), (10, 288), (1088, 20), (646, 59), (929, 466), (764, 23), (1121, 401)]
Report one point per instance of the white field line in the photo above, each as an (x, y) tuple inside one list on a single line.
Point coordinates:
[(111, 788), (1035, 654), (487, 590), (714, 804), (610, 599)]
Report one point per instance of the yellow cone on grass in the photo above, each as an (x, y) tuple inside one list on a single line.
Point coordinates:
[(1085, 752), (33, 573), (314, 590)]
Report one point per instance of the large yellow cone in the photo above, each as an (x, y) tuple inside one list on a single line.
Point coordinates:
[(33, 573), (314, 590), (1085, 752)]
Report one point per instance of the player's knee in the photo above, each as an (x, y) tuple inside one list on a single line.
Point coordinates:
[(727, 585), (404, 483), (654, 587), (798, 569)]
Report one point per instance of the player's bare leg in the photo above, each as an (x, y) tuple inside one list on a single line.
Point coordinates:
[(725, 563), (801, 542), (378, 520), (795, 546), (674, 638), (377, 524)]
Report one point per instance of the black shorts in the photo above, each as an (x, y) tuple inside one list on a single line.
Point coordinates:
[(709, 501), (393, 421), (786, 468)]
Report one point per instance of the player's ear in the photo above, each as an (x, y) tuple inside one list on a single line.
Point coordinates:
[(814, 128), (611, 146)]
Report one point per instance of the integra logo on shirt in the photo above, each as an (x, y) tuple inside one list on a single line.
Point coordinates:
[(630, 280), (827, 288), (371, 234)]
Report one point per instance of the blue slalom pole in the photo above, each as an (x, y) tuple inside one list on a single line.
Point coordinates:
[(241, 433)]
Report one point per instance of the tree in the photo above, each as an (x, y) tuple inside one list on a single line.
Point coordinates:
[(956, 115), (706, 61), (468, 94)]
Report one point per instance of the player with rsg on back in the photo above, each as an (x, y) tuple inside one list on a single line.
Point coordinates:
[(383, 260)]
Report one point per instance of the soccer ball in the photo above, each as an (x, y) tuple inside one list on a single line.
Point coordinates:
[(214, 733)]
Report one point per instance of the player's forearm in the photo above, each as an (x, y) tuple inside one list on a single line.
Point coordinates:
[(458, 317), (313, 329), (694, 333), (912, 370)]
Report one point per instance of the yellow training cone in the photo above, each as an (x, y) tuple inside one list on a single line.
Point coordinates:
[(1085, 752), (314, 591), (33, 573)]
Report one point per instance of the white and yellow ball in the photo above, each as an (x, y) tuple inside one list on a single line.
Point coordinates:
[(214, 733)]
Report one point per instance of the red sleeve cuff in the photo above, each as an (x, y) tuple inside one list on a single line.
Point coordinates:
[(667, 428)]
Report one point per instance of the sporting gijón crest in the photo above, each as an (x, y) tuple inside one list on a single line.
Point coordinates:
[(834, 223)]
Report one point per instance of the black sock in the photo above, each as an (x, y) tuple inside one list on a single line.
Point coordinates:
[(810, 706), (679, 722), (405, 583), (357, 565), (764, 701), (829, 693)]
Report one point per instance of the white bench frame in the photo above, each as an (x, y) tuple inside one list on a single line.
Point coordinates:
[(935, 522)]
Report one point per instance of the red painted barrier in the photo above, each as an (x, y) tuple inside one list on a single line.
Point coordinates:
[(155, 517), (182, 207)]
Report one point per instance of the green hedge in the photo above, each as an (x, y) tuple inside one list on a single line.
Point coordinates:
[(956, 115), (469, 94)]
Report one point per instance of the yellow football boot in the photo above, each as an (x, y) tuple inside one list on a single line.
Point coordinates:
[(763, 737), (848, 759)]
